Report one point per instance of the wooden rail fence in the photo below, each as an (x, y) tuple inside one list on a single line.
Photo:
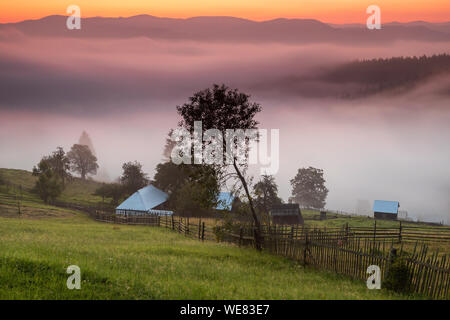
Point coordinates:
[(345, 251)]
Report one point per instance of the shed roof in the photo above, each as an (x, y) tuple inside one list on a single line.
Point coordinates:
[(386, 206), (225, 200), (144, 199), (286, 209)]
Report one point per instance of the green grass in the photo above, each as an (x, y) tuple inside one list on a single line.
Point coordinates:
[(132, 262), (138, 262), (30, 206), (353, 221), (76, 191), (81, 192), (443, 247)]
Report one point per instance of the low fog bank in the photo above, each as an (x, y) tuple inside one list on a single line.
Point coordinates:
[(124, 93), (381, 148), (91, 77)]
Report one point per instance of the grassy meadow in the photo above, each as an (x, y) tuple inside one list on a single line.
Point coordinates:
[(17, 194), (139, 262)]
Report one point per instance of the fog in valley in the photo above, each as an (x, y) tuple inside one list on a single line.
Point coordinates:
[(123, 93)]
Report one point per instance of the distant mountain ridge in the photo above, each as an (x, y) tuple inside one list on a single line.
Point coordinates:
[(218, 28)]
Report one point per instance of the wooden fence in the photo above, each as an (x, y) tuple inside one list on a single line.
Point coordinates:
[(428, 275), (400, 234), (148, 220), (340, 250)]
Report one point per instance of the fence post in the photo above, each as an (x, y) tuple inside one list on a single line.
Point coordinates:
[(186, 231), (270, 237), (240, 236), (276, 238), (346, 231), (173, 223), (306, 248), (203, 231), (375, 231), (392, 257), (199, 228), (400, 233), (18, 206)]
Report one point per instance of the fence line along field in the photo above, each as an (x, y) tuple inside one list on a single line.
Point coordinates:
[(342, 251), (38, 241), (121, 261)]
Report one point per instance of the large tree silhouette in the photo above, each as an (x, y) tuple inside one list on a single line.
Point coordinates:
[(308, 188), (82, 160), (133, 177), (223, 108), (266, 194)]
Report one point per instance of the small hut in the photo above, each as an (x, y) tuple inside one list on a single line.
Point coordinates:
[(385, 210), (225, 201), (148, 200), (286, 214)]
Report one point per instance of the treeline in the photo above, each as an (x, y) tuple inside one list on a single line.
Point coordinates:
[(132, 179), (193, 189), (381, 74), (55, 171)]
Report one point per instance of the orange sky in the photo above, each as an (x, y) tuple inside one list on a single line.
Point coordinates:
[(336, 11)]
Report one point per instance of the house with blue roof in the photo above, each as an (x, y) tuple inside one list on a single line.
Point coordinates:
[(144, 201), (225, 201), (386, 210), (150, 200)]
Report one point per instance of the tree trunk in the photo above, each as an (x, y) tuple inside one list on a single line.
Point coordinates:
[(257, 231)]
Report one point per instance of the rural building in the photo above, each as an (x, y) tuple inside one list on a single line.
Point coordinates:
[(150, 200), (225, 201), (147, 200), (386, 210), (286, 214)]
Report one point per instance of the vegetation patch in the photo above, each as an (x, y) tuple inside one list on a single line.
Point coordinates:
[(135, 262)]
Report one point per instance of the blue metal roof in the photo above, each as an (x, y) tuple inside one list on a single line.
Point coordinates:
[(225, 200), (144, 199), (386, 206)]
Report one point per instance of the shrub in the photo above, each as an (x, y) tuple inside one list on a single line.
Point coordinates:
[(49, 185), (224, 232), (398, 276)]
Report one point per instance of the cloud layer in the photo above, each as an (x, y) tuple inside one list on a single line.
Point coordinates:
[(123, 92)]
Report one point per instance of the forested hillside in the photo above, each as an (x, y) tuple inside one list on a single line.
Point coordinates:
[(377, 75)]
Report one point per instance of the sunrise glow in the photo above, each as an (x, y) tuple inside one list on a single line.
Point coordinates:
[(344, 11)]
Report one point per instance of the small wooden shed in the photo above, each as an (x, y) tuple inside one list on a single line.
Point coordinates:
[(385, 210), (286, 214)]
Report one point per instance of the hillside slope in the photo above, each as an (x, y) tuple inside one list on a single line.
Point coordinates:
[(16, 195), (364, 78), (137, 262)]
